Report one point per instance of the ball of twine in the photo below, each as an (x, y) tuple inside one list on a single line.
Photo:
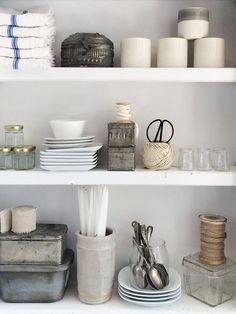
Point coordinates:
[(158, 156)]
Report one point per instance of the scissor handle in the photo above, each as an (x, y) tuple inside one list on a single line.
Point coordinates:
[(160, 130)]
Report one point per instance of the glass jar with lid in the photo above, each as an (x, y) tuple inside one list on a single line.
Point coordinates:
[(14, 135), (6, 158), (24, 157)]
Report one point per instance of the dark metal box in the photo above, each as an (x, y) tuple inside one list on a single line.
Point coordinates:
[(121, 134), (121, 158), (45, 245)]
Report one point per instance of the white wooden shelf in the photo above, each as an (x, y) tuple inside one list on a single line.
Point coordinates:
[(140, 177), (71, 305), (225, 75)]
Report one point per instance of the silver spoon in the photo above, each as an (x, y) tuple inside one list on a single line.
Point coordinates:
[(157, 275), (139, 271)]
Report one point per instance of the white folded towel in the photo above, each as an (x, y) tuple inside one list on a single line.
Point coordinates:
[(32, 18), (14, 31), (24, 43), (11, 63), (36, 53)]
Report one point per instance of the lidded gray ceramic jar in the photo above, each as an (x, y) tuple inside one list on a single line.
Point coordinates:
[(193, 23)]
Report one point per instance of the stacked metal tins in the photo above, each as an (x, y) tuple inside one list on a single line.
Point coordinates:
[(34, 266)]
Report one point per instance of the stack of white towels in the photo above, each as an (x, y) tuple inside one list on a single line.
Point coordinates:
[(26, 38)]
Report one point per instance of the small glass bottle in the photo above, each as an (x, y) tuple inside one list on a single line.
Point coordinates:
[(14, 135), (6, 158), (24, 157)]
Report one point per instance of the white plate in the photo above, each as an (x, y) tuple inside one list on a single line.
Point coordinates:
[(149, 303), (72, 164), (66, 160), (58, 139), (68, 168), (174, 284), (92, 148), (160, 299), (73, 145), (53, 154), (166, 295), (69, 142)]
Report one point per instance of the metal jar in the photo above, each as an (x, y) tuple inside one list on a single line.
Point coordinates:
[(35, 283), (45, 245)]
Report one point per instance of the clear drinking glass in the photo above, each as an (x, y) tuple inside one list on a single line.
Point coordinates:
[(186, 159), (142, 258), (204, 159), (220, 159)]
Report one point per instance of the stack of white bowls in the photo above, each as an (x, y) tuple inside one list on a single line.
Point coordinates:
[(69, 150)]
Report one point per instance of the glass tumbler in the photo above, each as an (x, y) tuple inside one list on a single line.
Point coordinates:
[(142, 258), (220, 159), (186, 159), (204, 159)]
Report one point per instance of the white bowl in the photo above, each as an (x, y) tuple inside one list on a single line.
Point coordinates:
[(67, 128)]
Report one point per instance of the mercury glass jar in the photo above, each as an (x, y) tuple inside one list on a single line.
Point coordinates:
[(6, 161), (24, 157), (14, 135)]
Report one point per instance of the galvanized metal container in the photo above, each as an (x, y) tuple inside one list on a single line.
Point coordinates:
[(121, 134), (121, 158), (35, 283), (45, 245)]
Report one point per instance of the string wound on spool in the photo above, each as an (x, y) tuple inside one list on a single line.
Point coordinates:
[(123, 112), (212, 231)]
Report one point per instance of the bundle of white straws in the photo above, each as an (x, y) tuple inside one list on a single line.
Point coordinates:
[(93, 206)]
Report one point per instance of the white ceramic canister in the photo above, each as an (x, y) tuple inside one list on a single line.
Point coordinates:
[(209, 53), (172, 52), (135, 52), (95, 267), (193, 23)]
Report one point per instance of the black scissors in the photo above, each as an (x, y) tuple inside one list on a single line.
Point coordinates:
[(159, 133)]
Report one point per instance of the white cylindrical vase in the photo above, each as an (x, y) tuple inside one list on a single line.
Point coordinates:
[(193, 23), (95, 267), (135, 52), (209, 53), (172, 53)]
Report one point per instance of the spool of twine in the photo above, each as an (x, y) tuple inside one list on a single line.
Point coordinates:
[(158, 156), (123, 112), (212, 236)]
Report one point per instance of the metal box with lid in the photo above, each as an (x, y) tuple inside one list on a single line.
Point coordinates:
[(35, 283), (87, 50), (210, 284), (121, 134), (45, 245)]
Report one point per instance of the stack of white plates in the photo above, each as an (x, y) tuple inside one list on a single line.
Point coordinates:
[(149, 296), (69, 154)]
